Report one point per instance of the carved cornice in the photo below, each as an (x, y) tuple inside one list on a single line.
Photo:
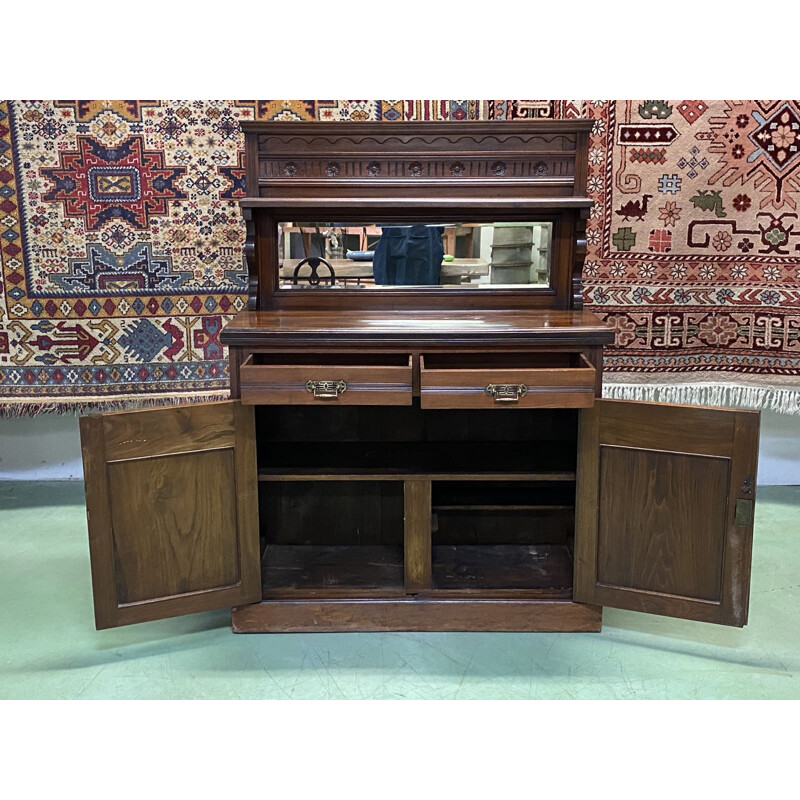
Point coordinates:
[(273, 143), (455, 139), (406, 129)]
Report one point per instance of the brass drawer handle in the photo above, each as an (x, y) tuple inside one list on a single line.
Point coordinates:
[(326, 390), (506, 392)]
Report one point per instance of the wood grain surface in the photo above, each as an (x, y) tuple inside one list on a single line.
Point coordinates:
[(312, 616), (171, 506), (285, 384), (186, 540), (445, 329), (417, 533), (656, 494), (662, 522), (551, 380)]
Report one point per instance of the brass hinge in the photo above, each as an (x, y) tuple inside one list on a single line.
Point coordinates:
[(743, 514)]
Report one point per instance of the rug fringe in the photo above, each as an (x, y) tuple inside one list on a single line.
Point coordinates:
[(80, 406), (771, 398)]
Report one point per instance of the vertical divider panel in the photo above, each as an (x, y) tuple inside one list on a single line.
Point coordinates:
[(417, 535)]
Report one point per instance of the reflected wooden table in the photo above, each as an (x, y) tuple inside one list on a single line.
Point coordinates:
[(460, 270)]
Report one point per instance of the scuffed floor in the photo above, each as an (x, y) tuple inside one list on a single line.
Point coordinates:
[(49, 648)]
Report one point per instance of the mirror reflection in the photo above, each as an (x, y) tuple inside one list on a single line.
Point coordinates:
[(473, 255)]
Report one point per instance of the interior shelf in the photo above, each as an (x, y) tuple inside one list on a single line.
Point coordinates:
[(315, 569), (500, 507), (331, 567), (545, 568), (545, 461)]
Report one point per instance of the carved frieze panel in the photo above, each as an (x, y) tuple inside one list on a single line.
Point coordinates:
[(548, 166), (465, 159), (453, 141)]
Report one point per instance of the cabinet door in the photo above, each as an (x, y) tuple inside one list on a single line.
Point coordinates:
[(171, 499), (664, 509)]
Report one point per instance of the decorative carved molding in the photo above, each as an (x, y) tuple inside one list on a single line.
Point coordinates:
[(487, 143), (250, 258), (579, 255), (418, 171), (551, 166)]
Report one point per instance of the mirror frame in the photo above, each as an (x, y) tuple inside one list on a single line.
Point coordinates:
[(262, 248)]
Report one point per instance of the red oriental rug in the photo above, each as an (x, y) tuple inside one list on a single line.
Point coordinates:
[(693, 251), (121, 243)]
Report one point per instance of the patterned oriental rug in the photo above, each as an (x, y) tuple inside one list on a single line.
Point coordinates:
[(693, 250), (122, 244)]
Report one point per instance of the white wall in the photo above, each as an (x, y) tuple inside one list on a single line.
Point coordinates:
[(48, 448), (779, 450)]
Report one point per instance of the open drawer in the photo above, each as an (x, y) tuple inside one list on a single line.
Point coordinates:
[(345, 379), (506, 380)]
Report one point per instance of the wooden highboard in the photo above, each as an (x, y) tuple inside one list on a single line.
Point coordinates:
[(419, 457)]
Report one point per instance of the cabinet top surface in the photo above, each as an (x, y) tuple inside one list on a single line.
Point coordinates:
[(369, 327)]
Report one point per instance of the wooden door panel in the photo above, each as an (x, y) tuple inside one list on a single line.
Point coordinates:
[(192, 524), (663, 426), (656, 527), (681, 509), (171, 499)]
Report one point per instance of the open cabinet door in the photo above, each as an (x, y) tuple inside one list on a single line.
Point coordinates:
[(171, 499), (664, 509)]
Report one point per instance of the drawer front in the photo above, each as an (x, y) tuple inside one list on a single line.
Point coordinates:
[(320, 384), (519, 386)]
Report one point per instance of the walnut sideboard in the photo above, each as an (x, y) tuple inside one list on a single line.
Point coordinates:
[(419, 458)]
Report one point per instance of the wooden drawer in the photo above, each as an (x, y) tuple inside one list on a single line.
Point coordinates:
[(335, 379), (510, 380)]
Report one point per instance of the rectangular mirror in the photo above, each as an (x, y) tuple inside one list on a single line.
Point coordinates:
[(370, 255)]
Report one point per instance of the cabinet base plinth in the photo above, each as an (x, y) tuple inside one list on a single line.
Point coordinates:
[(310, 616)]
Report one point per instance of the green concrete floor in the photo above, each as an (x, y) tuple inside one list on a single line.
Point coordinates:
[(50, 649)]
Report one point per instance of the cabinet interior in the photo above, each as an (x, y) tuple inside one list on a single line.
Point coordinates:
[(332, 359), (332, 487), (332, 535), (495, 361)]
